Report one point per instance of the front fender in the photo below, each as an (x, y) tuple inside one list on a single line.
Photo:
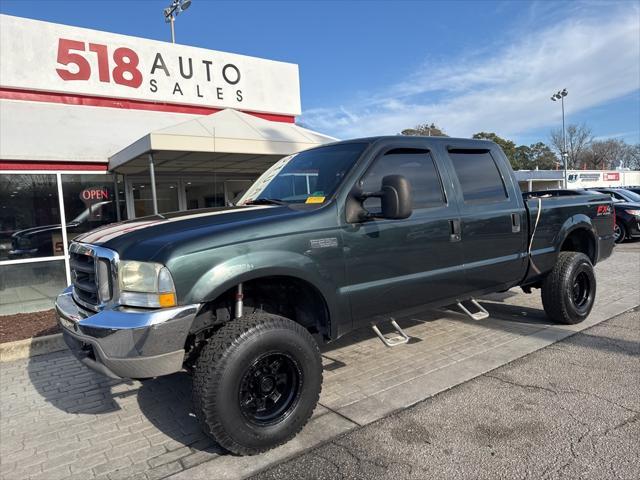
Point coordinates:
[(254, 265)]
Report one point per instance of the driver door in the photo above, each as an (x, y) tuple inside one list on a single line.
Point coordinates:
[(392, 265)]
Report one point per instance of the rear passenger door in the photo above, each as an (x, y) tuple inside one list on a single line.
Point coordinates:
[(493, 219), (397, 264)]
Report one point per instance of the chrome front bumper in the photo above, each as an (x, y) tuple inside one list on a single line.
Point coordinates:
[(126, 342)]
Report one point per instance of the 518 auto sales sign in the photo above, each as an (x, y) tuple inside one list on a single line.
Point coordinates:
[(47, 57)]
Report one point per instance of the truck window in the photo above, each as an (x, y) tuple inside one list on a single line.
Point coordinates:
[(415, 164), (479, 176)]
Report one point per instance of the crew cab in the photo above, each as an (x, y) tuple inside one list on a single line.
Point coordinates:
[(241, 296)]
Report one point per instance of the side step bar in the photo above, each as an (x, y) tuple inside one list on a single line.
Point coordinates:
[(480, 314), (392, 340)]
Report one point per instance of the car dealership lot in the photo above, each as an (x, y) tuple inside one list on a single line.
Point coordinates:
[(58, 419)]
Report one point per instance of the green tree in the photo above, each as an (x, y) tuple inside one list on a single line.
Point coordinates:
[(541, 156), (508, 147), (425, 130)]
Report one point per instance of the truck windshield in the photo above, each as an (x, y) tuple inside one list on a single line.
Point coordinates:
[(311, 176)]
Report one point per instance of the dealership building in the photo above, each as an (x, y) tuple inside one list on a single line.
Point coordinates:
[(96, 127)]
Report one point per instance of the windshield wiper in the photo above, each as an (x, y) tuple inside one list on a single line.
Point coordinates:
[(266, 201)]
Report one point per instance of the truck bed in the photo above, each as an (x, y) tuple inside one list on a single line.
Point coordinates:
[(556, 211)]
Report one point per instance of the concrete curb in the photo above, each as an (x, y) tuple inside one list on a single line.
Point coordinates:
[(31, 347)]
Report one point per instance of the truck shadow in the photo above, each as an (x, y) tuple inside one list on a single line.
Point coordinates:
[(160, 407)]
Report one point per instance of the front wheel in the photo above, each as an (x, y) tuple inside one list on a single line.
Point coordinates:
[(619, 233), (257, 382), (569, 290)]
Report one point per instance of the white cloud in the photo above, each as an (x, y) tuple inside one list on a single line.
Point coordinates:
[(596, 57)]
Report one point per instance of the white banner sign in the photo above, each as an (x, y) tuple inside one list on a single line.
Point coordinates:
[(42, 56)]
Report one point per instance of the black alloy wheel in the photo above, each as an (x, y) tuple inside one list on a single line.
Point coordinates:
[(270, 388), (619, 233)]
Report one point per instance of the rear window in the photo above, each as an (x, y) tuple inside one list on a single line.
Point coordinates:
[(479, 176)]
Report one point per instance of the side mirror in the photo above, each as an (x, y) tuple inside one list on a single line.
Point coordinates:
[(396, 198), (395, 201)]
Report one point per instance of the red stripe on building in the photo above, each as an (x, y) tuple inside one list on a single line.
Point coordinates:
[(53, 165), (94, 101)]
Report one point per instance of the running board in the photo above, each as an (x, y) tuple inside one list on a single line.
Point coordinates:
[(481, 314), (392, 340)]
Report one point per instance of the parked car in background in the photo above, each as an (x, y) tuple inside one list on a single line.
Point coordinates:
[(633, 188), (46, 240), (626, 203)]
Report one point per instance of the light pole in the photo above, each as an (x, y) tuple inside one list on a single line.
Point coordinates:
[(171, 12), (559, 95)]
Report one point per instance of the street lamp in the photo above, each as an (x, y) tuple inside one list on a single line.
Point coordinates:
[(171, 12), (559, 95)]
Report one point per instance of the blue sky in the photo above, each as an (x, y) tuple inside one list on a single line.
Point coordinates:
[(377, 67)]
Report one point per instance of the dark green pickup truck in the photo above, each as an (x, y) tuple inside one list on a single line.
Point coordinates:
[(325, 241)]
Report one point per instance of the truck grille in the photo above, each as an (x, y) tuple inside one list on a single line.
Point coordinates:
[(93, 270), (83, 278)]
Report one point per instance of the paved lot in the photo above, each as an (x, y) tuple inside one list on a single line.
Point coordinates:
[(59, 420), (571, 410)]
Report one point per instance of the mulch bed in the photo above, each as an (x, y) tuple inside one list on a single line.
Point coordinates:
[(27, 325)]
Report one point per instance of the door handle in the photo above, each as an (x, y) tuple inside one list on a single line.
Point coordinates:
[(515, 222), (454, 231)]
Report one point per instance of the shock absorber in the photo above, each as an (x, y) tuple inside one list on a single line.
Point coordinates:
[(239, 301)]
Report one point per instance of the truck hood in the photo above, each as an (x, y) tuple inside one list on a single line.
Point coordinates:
[(30, 232), (143, 237)]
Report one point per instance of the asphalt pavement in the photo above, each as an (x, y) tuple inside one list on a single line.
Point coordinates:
[(570, 410)]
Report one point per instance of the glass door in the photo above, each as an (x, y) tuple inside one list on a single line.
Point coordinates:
[(167, 193)]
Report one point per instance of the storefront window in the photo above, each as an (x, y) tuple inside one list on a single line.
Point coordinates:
[(166, 192), (30, 287), (90, 202), (204, 194), (29, 217)]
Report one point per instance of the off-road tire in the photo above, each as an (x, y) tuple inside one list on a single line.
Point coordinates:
[(563, 290), (224, 363)]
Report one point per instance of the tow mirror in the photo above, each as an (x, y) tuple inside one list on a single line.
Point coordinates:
[(395, 201), (395, 197)]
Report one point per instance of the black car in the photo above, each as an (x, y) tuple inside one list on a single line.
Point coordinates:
[(633, 188), (627, 207)]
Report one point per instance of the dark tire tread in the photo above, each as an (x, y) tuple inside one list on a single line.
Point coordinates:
[(210, 365), (553, 289)]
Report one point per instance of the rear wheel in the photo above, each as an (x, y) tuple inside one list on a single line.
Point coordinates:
[(619, 233), (569, 290), (257, 382)]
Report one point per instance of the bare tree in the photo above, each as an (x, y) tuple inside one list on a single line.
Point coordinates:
[(603, 154), (630, 157), (425, 130), (578, 138)]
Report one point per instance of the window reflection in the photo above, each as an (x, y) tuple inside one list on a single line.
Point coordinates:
[(29, 216)]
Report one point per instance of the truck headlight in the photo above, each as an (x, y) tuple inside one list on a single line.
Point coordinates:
[(146, 284)]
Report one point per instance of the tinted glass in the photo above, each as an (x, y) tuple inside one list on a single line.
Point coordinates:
[(417, 166), (311, 176), (630, 195), (478, 175), (29, 216), (90, 202)]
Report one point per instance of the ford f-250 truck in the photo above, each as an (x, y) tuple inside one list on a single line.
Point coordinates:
[(325, 241)]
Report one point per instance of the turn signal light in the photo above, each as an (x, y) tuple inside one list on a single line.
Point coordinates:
[(167, 300)]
